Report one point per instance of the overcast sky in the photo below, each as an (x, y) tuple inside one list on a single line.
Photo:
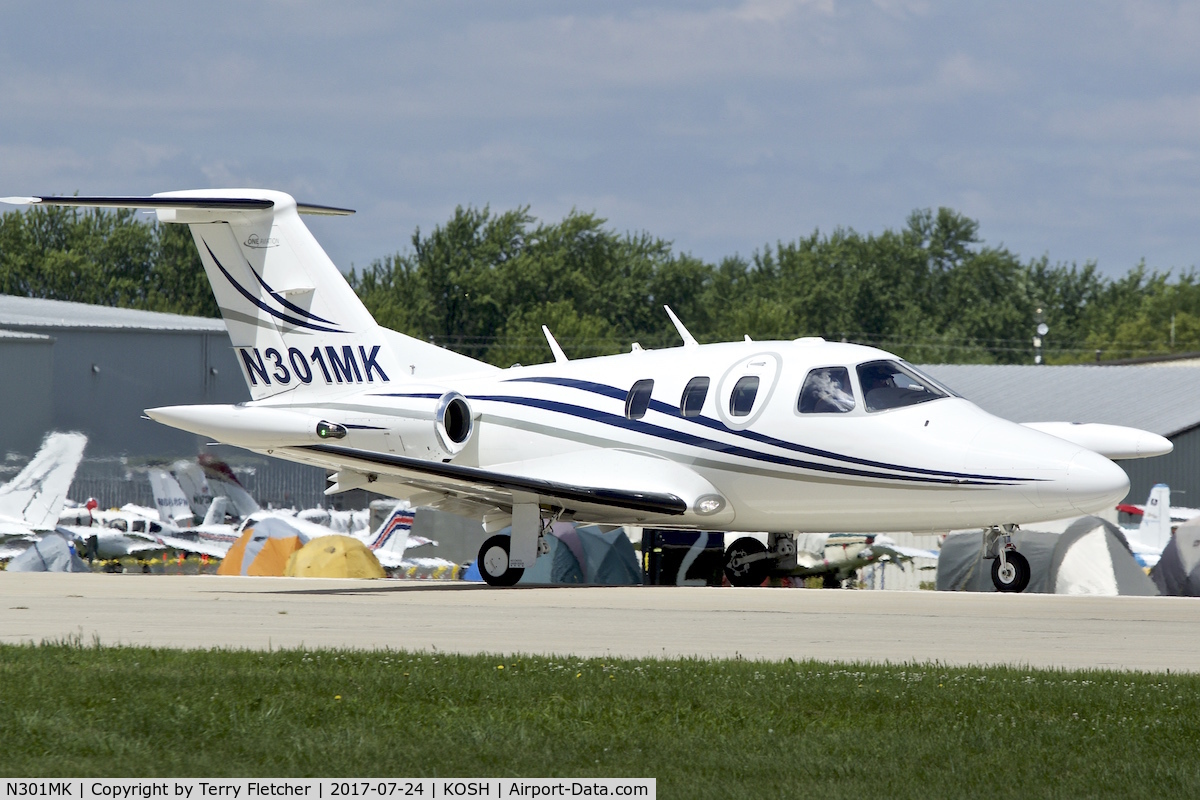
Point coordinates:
[(1068, 129)]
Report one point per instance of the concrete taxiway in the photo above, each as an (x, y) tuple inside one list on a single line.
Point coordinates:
[(1133, 633)]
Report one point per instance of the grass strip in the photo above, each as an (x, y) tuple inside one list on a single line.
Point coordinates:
[(703, 728)]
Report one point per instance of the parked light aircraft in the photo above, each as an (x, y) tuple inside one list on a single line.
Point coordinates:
[(31, 501), (833, 557), (782, 436)]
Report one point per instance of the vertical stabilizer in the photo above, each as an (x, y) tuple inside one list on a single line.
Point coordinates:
[(296, 325), (169, 499), (1155, 529), (195, 487), (391, 538), (36, 496)]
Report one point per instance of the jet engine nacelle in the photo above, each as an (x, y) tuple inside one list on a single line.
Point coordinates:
[(438, 428), (427, 424)]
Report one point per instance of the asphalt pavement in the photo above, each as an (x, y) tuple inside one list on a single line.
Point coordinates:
[(1133, 633)]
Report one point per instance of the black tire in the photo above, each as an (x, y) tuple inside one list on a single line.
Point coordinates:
[(829, 580), (495, 551), (1015, 579), (741, 572)]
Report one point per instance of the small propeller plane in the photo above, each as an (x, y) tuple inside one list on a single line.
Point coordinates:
[(781, 436)]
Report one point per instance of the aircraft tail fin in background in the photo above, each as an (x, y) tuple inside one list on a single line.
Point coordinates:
[(216, 511), (391, 538), (296, 325), (170, 499), (1155, 528), (37, 494)]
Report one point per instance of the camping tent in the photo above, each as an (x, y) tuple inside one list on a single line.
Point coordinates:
[(333, 557), (52, 553), (581, 555), (1090, 557), (586, 555), (1177, 573), (263, 549)]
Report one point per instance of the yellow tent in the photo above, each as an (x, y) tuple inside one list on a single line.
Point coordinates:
[(334, 557), (263, 549)]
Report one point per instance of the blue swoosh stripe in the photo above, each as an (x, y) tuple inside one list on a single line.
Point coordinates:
[(299, 323), (729, 449), (708, 422), (283, 301)]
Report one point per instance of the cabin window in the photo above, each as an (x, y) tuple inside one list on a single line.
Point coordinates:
[(155, 527), (119, 525), (693, 398), (890, 384), (638, 399), (742, 399), (826, 391), (138, 525)]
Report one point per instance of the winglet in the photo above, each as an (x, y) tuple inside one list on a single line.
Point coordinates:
[(559, 356), (688, 339)]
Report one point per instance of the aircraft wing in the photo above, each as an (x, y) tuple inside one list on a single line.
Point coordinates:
[(193, 546), (568, 488)]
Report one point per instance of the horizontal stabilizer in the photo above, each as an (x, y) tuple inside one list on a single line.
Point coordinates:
[(208, 203)]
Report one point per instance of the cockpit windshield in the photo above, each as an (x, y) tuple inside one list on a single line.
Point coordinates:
[(893, 384)]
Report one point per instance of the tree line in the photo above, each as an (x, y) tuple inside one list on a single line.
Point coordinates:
[(485, 282)]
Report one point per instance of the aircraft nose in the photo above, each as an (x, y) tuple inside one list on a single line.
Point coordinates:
[(1095, 483)]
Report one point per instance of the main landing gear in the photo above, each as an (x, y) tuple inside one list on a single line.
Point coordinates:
[(504, 559), (747, 562), (493, 562), (1010, 570)]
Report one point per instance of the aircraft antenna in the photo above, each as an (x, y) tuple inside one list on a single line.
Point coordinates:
[(688, 339), (559, 356)]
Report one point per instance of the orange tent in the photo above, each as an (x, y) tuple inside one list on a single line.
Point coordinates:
[(263, 549)]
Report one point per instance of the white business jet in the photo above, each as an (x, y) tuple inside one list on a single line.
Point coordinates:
[(784, 436)]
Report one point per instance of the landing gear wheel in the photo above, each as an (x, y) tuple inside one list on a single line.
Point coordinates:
[(1014, 576), (493, 562), (746, 563), (829, 580)]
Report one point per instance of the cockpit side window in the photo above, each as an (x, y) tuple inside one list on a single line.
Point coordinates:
[(119, 525), (741, 401), (638, 399), (890, 384), (826, 390), (693, 398)]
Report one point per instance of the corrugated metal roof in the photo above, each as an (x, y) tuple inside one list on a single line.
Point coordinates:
[(1165, 401), (34, 312)]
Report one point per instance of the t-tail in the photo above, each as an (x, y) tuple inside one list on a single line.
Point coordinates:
[(1155, 528), (295, 323), (37, 494)]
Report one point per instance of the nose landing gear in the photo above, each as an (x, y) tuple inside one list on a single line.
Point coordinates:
[(1010, 570)]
